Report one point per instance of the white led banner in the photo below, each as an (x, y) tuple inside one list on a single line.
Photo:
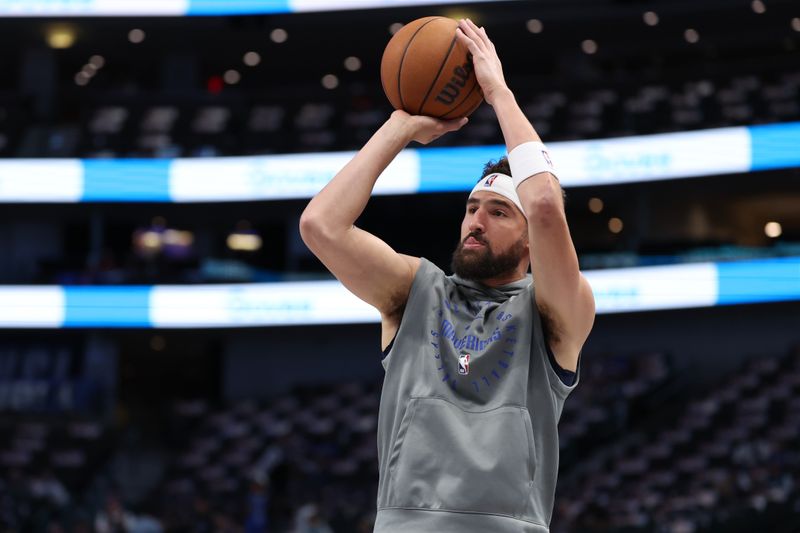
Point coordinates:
[(328, 302), (415, 170), (172, 8)]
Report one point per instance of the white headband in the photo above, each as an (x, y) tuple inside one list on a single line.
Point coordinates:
[(500, 184)]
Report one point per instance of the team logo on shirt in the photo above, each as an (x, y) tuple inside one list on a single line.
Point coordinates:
[(463, 364), (450, 345)]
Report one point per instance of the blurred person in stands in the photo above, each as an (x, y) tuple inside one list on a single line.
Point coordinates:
[(46, 486), (113, 518), (257, 503), (309, 520), (478, 364), (203, 520)]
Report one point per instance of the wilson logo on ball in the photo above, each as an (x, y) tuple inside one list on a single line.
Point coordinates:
[(426, 70), (452, 89)]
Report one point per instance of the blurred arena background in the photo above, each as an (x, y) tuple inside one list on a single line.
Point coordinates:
[(172, 357)]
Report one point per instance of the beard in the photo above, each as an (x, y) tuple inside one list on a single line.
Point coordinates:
[(482, 263)]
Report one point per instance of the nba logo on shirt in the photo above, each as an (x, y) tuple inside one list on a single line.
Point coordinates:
[(463, 364), (490, 180)]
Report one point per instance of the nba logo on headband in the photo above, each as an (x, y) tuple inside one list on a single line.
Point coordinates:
[(501, 184)]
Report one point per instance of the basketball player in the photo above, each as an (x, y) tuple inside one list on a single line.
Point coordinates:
[(478, 364)]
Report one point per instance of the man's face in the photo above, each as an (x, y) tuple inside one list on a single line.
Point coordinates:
[(494, 238)]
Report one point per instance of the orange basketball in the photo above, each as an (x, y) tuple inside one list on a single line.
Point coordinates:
[(426, 71)]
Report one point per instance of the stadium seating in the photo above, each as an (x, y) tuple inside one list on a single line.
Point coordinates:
[(47, 465), (216, 125), (728, 460), (646, 452)]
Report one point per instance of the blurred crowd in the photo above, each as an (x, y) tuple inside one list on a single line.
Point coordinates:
[(723, 460)]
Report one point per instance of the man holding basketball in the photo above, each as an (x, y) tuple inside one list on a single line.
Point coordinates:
[(478, 364)]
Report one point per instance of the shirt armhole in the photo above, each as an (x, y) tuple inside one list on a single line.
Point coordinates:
[(567, 377), (391, 343), (424, 267)]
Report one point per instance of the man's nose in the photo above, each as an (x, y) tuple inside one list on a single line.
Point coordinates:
[(476, 223)]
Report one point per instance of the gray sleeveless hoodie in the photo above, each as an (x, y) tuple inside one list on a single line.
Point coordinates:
[(467, 429)]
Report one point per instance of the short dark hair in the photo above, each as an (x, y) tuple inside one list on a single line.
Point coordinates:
[(501, 166)]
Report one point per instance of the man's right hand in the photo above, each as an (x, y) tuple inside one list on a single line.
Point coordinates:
[(424, 129)]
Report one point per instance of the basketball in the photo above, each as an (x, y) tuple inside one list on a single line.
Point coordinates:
[(426, 71)]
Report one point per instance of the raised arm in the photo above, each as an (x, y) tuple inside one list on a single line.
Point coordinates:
[(365, 264), (563, 295)]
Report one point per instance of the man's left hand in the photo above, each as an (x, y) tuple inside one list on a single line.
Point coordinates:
[(488, 68)]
